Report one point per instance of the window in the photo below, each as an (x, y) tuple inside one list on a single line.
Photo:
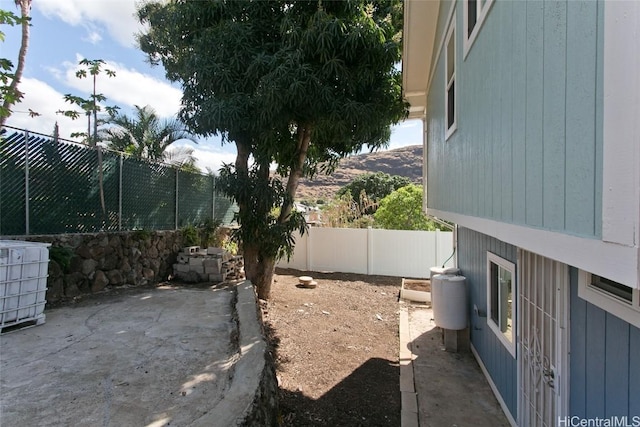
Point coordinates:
[(475, 12), (501, 300), (472, 15), (616, 298), (450, 83)]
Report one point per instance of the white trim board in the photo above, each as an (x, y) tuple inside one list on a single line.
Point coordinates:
[(613, 261), (484, 11), (621, 129), (434, 59)]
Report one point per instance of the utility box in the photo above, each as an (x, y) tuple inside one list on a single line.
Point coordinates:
[(23, 282)]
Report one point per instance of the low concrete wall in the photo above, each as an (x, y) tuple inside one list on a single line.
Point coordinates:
[(100, 261), (252, 397)]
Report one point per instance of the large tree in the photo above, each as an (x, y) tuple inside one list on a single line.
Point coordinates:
[(291, 83)]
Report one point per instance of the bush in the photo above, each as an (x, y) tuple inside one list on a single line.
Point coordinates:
[(190, 236), (62, 256), (402, 210)]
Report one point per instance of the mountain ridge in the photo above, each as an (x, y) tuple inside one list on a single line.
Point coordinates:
[(403, 161)]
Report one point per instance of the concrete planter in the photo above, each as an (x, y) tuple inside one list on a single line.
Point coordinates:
[(408, 291)]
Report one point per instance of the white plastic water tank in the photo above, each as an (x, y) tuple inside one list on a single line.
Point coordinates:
[(449, 301), (444, 270), (23, 281), (441, 270)]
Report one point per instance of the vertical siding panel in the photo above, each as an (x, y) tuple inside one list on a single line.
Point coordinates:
[(578, 350), (581, 98), (493, 122), (506, 86), (617, 367), (595, 361), (478, 140), (555, 34), (500, 365), (534, 101), (518, 114), (634, 371)]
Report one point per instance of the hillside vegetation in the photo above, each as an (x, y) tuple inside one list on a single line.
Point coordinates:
[(405, 161)]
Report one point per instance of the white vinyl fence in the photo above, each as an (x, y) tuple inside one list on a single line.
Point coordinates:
[(372, 251)]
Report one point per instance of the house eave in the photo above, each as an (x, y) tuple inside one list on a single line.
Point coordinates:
[(419, 43), (614, 261)]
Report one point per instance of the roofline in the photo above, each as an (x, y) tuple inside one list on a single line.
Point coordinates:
[(418, 47)]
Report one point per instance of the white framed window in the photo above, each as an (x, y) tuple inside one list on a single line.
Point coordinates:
[(474, 13), (501, 300), (616, 298), (450, 80)]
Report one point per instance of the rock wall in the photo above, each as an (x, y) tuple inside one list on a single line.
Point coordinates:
[(106, 260)]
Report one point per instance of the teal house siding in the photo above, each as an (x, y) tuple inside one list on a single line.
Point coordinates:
[(604, 373), (528, 144), (472, 261)]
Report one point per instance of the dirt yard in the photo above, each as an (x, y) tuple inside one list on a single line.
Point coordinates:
[(336, 349)]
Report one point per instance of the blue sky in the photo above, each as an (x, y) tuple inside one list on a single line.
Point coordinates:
[(65, 31)]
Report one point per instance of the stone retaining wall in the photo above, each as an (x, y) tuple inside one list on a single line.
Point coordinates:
[(106, 260)]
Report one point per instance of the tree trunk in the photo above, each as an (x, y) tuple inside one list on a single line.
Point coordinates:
[(249, 249), (304, 139), (264, 276), (259, 268), (250, 254), (25, 10)]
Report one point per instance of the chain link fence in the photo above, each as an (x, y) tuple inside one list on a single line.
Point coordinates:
[(52, 186)]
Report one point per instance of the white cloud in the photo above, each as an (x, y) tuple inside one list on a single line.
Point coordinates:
[(45, 100), (128, 88), (210, 154), (409, 124), (42, 98), (93, 37), (117, 16), (406, 133)]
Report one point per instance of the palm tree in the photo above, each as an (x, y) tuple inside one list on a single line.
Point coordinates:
[(145, 136), (25, 10)]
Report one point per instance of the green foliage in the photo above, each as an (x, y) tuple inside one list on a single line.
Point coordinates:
[(344, 212), (62, 255), (207, 232), (89, 106), (190, 235), (292, 83), (230, 246), (376, 185), (402, 210), (262, 221), (203, 235)]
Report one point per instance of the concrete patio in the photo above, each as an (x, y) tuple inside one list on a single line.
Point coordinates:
[(154, 357)]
